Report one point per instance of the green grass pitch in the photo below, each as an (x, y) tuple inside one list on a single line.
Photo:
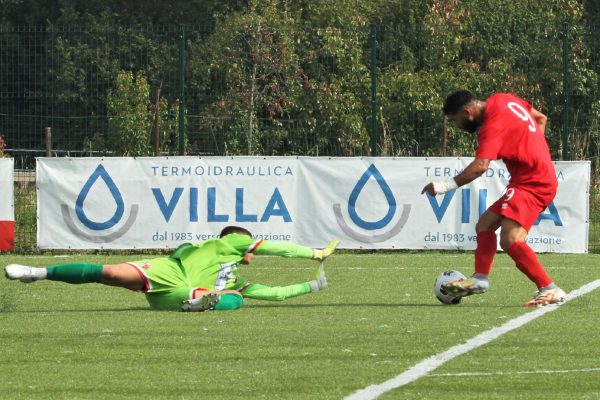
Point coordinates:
[(377, 319)]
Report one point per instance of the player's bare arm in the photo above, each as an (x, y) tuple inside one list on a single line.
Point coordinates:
[(474, 170), (540, 118)]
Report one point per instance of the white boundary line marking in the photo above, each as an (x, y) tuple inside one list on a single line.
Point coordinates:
[(502, 373), (429, 364)]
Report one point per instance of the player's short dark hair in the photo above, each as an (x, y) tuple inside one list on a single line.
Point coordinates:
[(456, 101), (234, 229)]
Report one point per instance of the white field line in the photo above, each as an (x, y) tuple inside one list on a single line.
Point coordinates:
[(502, 373), (430, 364)]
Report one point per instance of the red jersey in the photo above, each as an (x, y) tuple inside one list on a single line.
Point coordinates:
[(510, 133)]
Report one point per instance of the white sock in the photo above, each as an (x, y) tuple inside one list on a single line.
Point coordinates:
[(40, 273)]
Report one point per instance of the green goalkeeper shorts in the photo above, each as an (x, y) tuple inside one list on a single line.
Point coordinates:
[(165, 283)]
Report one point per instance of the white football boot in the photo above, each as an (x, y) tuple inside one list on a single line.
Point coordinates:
[(205, 303), (547, 295), (24, 273)]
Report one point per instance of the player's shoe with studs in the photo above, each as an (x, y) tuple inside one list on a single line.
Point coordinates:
[(545, 296), (205, 303), (466, 287), (24, 273)]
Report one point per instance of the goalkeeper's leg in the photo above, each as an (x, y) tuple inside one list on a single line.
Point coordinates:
[(278, 293), (122, 275), (69, 273)]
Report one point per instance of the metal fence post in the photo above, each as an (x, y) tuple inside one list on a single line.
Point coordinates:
[(565, 124), (182, 89), (48, 142), (374, 89)]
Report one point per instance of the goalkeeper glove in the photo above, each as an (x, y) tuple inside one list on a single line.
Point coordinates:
[(322, 254), (321, 282)]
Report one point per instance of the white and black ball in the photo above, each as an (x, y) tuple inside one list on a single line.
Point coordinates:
[(447, 276)]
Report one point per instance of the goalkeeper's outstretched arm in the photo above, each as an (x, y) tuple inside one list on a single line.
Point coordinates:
[(287, 249)]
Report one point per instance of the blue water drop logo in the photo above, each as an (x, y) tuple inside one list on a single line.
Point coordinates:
[(100, 173), (372, 172)]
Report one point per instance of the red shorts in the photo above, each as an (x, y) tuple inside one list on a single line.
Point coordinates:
[(522, 205)]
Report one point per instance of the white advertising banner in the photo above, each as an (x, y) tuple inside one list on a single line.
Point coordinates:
[(368, 203), (7, 213)]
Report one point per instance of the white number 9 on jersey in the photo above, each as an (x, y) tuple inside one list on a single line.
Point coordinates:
[(523, 114)]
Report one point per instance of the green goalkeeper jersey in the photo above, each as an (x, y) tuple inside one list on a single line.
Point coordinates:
[(213, 264)]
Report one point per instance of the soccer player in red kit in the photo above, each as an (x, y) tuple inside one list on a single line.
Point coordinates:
[(512, 130)]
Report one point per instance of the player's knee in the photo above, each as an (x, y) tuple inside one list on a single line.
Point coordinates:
[(506, 241), (483, 225), (123, 276), (112, 276), (108, 273), (479, 227)]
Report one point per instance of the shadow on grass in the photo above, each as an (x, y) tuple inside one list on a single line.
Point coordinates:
[(355, 305), (13, 310)]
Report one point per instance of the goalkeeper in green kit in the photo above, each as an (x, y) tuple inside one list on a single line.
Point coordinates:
[(195, 277)]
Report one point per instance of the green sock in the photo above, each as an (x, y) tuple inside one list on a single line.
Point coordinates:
[(75, 273), (229, 302)]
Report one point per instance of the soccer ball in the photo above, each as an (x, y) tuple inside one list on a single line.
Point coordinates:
[(447, 276)]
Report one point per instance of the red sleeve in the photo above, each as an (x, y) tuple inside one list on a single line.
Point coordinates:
[(489, 142)]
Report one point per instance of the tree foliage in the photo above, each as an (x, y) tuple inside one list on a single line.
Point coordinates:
[(294, 77), (133, 120)]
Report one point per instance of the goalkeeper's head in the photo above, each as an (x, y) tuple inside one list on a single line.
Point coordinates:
[(228, 230)]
